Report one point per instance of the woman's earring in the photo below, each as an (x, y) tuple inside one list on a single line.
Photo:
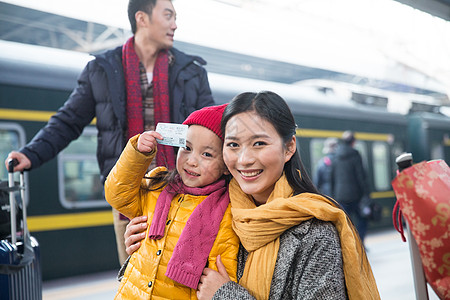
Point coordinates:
[(299, 174)]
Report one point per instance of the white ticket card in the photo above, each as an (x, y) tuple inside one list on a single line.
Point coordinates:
[(173, 134)]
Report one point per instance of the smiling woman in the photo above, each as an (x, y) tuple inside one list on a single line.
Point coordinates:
[(297, 244)]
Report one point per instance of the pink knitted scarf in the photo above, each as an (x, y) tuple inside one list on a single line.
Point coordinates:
[(192, 249)]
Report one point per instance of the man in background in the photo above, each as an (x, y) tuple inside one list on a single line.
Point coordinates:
[(349, 181), (128, 90)]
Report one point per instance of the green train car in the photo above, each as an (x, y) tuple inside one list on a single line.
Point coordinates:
[(67, 212)]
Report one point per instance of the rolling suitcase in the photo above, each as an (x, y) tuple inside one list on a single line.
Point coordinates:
[(20, 269)]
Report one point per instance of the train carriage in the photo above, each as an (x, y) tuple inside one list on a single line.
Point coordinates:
[(429, 136)]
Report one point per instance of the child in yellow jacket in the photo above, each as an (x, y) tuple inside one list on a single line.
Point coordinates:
[(188, 210)]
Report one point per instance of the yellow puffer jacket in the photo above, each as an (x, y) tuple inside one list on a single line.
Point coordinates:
[(125, 190)]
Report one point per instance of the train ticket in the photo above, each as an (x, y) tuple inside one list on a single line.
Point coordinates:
[(173, 134)]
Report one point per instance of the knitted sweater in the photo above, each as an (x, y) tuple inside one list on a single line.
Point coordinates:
[(309, 266)]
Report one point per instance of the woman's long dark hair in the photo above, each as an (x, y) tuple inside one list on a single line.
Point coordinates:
[(275, 110)]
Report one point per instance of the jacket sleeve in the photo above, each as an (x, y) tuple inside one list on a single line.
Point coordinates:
[(64, 126), (123, 184), (361, 176), (332, 178)]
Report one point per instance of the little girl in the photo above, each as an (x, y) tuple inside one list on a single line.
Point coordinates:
[(188, 210)]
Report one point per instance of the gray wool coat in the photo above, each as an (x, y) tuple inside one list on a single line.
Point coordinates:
[(309, 266)]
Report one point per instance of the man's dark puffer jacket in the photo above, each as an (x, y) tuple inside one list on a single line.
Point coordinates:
[(100, 93)]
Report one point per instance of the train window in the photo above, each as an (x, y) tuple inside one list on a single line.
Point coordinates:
[(78, 173), (437, 151), (316, 151), (380, 158), (361, 146), (12, 137)]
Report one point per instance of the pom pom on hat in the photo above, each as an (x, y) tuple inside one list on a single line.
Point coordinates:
[(208, 117)]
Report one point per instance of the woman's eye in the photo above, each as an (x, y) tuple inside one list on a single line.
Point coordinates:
[(187, 148), (232, 145), (260, 143)]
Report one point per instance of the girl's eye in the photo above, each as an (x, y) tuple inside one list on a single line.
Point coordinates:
[(260, 143), (187, 148), (207, 154)]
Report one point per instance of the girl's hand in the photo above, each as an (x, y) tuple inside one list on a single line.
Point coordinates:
[(147, 141), (211, 280)]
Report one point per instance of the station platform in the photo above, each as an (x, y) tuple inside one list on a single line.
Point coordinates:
[(388, 255)]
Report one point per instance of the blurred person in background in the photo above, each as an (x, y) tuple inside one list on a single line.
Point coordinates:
[(322, 179), (349, 181)]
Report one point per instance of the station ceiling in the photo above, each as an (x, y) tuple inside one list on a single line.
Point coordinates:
[(25, 25), (438, 8)]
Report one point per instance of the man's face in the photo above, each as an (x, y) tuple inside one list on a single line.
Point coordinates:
[(161, 26)]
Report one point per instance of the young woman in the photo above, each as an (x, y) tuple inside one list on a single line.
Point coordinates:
[(295, 243), (188, 209)]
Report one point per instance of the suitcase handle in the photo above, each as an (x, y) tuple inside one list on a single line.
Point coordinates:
[(11, 164)]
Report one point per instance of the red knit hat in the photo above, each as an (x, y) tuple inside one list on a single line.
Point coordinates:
[(208, 117)]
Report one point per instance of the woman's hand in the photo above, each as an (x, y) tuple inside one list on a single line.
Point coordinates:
[(147, 141), (211, 280), (135, 233)]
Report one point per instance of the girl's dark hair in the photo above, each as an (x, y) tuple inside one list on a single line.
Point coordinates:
[(161, 179), (275, 110)]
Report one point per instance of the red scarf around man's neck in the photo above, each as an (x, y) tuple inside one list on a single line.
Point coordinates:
[(135, 119)]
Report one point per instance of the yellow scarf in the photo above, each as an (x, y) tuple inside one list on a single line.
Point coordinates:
[(259, 229)]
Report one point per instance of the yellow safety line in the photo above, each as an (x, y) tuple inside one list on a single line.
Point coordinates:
[(317, 133), (387, 194), (25, 115), (446, 141), (68, 221), (28, 115)]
